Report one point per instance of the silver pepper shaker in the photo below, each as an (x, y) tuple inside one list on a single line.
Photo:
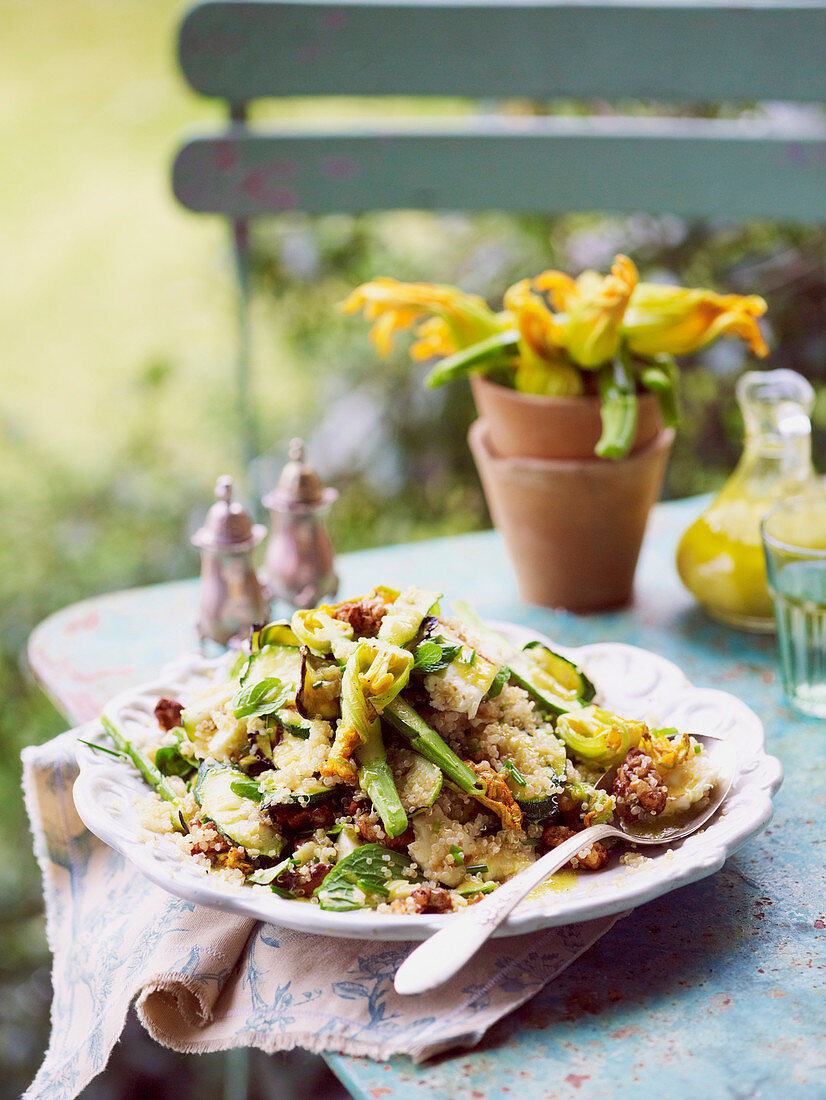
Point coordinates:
[(299, 566), (231, 595)]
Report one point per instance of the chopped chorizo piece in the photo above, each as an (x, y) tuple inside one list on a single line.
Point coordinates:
[(305, 879), (639, 791), (370, 829), (357, 804), (593, 858), (168, 712), (205, 840), (295, 818), (364, 615), (424, 899)]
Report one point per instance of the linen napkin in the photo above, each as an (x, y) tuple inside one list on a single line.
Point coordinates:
[(204, 980)]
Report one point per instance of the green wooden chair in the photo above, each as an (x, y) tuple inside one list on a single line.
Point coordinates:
[(683, 51)]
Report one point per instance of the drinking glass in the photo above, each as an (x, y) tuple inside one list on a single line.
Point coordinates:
[(794, 542)]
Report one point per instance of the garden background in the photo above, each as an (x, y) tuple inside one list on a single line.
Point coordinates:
[(117, 314)]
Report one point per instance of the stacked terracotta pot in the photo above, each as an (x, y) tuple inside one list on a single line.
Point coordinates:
[(573, 523)]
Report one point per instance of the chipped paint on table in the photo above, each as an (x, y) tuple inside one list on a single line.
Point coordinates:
[(716, 990)]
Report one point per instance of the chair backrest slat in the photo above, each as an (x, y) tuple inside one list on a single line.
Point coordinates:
[(691, 167), (690, 50)]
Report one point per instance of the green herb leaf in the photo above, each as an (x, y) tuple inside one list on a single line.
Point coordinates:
[(457, 853), (499, 681), (246, 788), (170, 761), (263, 697), (477, 869), (368, 869), (516, 774), (434, 655), (102, 748)]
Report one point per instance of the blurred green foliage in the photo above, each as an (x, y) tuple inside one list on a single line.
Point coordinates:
[(117, 408)]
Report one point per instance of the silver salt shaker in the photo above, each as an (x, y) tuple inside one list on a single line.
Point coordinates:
[(231, 596), (299, 566)]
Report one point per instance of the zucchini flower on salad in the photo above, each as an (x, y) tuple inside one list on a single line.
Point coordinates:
[(598, 737)]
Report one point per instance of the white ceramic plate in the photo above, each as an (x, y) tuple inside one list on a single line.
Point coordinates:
[(630, 681)]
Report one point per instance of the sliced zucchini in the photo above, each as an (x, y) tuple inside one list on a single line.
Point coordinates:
[(549, 702), (279, 662), (420, 785), (401, 624), (565, 678), (278, 633), (537, 809), (236, 818), (315, 697), (294, 723), (311, 792), (201, 707)]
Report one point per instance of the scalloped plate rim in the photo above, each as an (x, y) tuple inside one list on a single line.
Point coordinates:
[(707, 852)]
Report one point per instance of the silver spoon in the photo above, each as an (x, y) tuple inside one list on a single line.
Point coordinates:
[(447, 951)]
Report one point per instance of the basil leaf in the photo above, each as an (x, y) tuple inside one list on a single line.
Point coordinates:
[(246, 788), (263, 697), (368, 869), (170, 761)]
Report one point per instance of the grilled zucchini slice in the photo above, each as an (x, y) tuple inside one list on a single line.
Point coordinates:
[(238, 819)]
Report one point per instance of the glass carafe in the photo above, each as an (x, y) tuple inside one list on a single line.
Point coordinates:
[(720, 558)]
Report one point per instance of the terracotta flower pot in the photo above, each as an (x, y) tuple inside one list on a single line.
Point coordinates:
[(573, 527), (552, 427)]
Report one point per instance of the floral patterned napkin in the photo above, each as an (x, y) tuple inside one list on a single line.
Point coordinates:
[(203, 980)]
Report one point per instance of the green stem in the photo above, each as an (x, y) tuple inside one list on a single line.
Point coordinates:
[(427, 743), (619, 408), (468, 359), (376, 778), (143, 764), (660, 378)]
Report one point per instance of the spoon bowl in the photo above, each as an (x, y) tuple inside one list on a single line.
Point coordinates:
[(437, 959)]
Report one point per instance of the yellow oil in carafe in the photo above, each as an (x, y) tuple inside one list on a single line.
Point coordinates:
[(720, 557)]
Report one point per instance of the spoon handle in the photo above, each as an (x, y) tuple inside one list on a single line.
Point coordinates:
[(444, 953)]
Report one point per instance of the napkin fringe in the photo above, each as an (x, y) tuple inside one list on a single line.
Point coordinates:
[(269, 1043)]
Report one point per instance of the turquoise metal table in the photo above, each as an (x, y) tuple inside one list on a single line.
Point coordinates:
[(716, 990)]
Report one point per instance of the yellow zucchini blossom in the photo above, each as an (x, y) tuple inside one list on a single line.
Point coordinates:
[(542, 366), (594, 306), (673, 321), (447, 319)]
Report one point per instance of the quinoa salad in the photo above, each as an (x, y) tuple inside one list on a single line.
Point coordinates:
[(379, 753)]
